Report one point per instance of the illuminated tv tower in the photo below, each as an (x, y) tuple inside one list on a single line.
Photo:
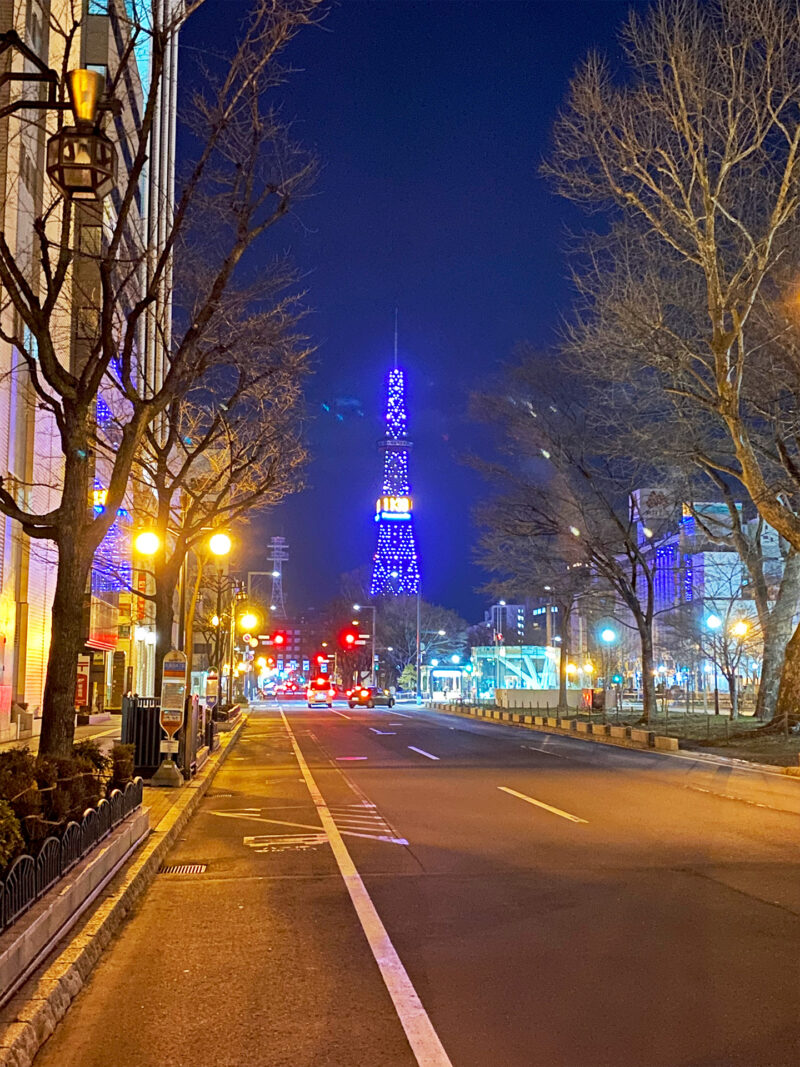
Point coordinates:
[(395, 571)]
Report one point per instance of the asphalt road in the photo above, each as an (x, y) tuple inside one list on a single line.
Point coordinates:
[(527, 899)]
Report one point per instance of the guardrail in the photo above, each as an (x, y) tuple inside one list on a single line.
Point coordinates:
[(29, 877)]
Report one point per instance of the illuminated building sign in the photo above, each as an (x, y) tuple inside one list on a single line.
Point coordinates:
[(393, 507)]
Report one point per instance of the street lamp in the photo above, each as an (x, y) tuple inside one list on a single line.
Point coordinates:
[(608, 637), (219, 545), (713, 622), (147, 543), (248, 621), (370, 607), (81, 159)]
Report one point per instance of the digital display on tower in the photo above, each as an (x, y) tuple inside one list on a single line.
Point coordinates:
[(393, 507)]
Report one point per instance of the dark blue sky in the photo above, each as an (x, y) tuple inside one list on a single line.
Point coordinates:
[(430, 119)]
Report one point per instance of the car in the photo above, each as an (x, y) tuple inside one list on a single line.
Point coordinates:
[(320, 691), (369, 696)]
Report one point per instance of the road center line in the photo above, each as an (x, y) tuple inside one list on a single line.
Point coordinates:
[(541, 804), (422, 1037), (422, 752)]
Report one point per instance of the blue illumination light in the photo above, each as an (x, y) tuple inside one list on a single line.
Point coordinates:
[(395, 571)]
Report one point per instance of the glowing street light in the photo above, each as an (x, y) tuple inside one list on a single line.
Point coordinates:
[(713, 622), (740, 628), (608, 635), (248, 621), (220, 544), (147, 543)]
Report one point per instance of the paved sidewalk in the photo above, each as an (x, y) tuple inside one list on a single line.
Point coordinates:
[(101, 730), (29, 1018)]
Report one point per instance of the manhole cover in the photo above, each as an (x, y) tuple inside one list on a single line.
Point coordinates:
[(184, 868)]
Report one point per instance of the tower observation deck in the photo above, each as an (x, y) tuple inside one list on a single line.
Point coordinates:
[(395, 569)]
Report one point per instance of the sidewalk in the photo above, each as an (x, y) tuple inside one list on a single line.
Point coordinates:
[(98, 730), (29, 1018)]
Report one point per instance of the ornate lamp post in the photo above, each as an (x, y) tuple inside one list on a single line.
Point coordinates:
[(81, 159)]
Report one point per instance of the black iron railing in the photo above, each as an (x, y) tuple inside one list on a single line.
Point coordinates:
[(29, 877)]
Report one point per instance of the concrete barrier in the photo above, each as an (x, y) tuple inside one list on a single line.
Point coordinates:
[(619, 731), (667, 744), (582, 727), (553, 722), (540, 720), (642, 737), (62, 905)]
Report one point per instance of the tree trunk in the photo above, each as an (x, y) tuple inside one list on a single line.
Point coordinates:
[(562, 674), (649, 703), (166, 581), (778, 631), (66, 643), (787, 708)]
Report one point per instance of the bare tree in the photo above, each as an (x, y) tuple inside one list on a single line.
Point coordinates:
[(695, 157), (245, 174), (229, 446), (556, 485), (547, 568)]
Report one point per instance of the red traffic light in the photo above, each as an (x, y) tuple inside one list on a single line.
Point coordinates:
[(279, 639), (348, 638)]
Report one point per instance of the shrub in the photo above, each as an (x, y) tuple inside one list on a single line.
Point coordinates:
[(67, 788), (121, 767), (12, 843), (19, 788)]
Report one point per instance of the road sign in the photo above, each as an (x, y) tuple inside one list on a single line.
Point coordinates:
[(212, 686), (173, 692), (170, 746)]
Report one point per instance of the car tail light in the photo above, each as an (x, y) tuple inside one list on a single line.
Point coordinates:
[(365, 692)]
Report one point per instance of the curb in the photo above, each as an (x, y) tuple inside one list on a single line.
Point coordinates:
[(32, 1015), (506, 719)]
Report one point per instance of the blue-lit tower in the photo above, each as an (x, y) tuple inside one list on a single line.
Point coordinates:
[(395, 571)]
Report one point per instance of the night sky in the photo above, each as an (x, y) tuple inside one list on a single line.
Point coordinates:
[(430, 119)]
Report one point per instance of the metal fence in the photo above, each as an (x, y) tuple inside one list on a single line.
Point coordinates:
[(28, 878)]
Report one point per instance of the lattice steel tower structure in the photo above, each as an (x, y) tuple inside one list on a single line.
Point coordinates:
[(396, 570), (278, 554)]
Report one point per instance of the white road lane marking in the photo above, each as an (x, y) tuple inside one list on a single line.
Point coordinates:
[(422, 1037), (422, 752), (335, 712), (351, 757), (541, 804), (383, 733), (544, 751)]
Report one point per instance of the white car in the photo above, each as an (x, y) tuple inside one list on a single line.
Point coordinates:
[(320, 692)]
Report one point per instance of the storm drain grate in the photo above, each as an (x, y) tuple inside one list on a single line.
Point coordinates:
[(184, 868)]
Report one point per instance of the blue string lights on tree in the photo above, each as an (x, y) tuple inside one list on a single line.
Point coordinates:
[(395, 570)]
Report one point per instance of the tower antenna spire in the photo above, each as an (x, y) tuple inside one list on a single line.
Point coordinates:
[(395, 337)]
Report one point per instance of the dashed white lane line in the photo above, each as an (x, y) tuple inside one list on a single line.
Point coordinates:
[(422, 1037), (422, 752), (541, 804), (351, 757), (383, 733), (335, 712)]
